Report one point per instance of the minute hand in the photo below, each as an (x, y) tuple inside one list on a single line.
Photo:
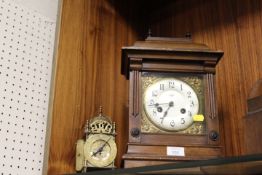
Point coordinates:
[(157, 104), (101, 148), (170, 104)]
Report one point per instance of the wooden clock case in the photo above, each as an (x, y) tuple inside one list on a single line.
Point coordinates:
[(171, 55), (253, 121)]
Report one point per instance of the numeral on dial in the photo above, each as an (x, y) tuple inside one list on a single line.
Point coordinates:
[(183, 121), (192, 104), (162, 87), (189, 113), (171, 84), (172, 123), (154, 112), (154, 93), (189, 94), (152, 102)]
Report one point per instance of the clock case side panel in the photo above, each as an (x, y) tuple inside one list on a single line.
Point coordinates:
[(212, 118), (134, 107)]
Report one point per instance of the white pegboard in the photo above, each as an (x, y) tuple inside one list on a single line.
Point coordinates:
[(26, 56)]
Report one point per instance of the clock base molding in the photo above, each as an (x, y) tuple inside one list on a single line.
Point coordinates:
[(147, 155), (135, 163)]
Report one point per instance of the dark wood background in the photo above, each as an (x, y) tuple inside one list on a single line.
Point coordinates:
[(89, 58)]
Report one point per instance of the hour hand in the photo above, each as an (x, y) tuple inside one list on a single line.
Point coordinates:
[(165, 114), (97, 151)]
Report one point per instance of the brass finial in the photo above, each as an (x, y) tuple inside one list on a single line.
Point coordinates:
[(149, 34), (114, 128), (87, 127), (188, 35), (100, 110)]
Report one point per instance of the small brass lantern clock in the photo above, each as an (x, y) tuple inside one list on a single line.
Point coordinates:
[(98, 150), (172, 105)]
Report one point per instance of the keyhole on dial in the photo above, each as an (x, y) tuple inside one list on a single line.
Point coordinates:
[(159, 109), (183, 110)]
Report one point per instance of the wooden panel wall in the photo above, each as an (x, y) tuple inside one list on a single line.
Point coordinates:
[(234, 26), (88, 72), (88, 75)]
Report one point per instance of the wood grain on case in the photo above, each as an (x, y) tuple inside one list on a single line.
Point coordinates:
[(88, 71)]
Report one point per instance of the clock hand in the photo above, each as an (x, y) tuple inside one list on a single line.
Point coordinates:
[(157, 104), (100, 149), (170, 104), (165, 114)]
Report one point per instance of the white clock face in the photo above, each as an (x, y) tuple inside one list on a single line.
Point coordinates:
[(170, 104)]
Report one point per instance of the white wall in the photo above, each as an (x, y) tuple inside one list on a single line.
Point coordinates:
[(47, 8), (27, 39)]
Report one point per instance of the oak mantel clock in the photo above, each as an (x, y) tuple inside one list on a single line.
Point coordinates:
[(172, 105)]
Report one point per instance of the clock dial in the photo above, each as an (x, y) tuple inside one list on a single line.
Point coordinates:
[(170, 104), (100, 150)]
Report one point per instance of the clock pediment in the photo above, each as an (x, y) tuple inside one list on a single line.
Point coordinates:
[(175, 51)]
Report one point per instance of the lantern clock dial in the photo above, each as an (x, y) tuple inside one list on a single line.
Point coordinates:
[(100, 150), (170, 104)]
